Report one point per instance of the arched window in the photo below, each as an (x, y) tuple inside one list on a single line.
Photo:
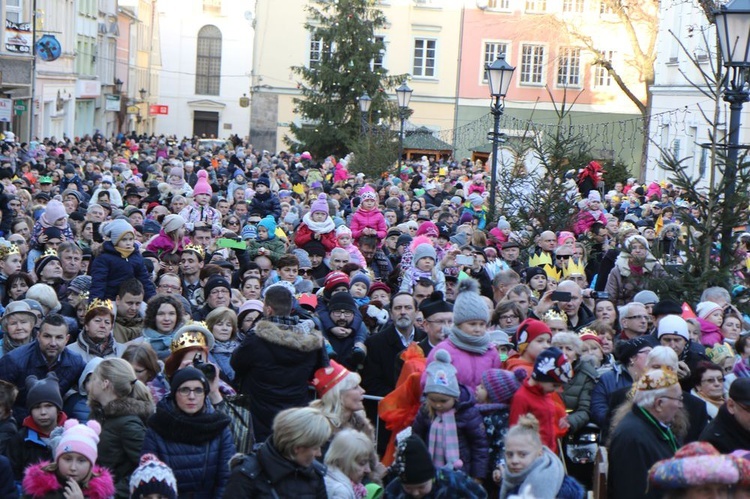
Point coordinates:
[(208, 61)]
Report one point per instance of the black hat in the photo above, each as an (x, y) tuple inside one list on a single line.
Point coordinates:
[(510, 244), (186, 374), (413, 461), (44, 260), (403, 239), (666, 307), (216, 281), (739, 391), (393, 231), (342, 301), (531, 272), (43, 390), (315, 248), (435, 304), (626, 350)]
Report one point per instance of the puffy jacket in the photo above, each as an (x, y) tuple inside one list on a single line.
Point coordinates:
[(196, 447), (469, 366), (266, 204), (110, 269), (577, 395), (607, 384), (472, 439), (370, 219), (304, 235)]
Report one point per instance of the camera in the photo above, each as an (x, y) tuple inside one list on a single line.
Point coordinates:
[(600, 295), (208, 369)]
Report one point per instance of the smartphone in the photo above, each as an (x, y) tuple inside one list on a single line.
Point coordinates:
[(561, 296), (465, 260), (225, 242)]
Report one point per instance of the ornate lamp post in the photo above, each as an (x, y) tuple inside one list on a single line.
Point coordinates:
[(499, 74), (364, 107), (403, 95)]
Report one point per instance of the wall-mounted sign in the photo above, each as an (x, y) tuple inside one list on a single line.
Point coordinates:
[(111, 102), (6, 110), (133, 110), (17, 37), (157, 109), (48, 48)]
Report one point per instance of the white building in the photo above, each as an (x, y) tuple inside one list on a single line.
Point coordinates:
[(677, 124), (206, 58)]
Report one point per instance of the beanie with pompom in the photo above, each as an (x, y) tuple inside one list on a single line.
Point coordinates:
[(79, 438), (469, 304), (152, 476), (320, 204), (501, 384), (440, 376), (202, 186)]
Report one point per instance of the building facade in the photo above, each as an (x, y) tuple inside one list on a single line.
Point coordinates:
[(15, 67)]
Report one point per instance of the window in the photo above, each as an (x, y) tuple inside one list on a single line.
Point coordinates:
[(14, 11), (316, 52), (377, 62), (536, 5), (492, 50), (532, 64), (212, 7), (573, 6), (498, 4), (606, 7), (424, 57), (602, 78), (208, 61), (569, 67)]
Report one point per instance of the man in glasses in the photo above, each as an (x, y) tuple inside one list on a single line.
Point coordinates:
[(633, 320), (346, 337), (673, 333), (438, 316), (730, 429)]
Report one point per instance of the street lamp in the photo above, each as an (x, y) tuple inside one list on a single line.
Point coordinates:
[(364, 107), (499, 74), (143, 93), (118, 85), (733, 30), (403, 95)]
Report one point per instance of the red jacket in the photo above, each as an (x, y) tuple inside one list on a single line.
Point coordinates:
[(531, 399), (304, 235)]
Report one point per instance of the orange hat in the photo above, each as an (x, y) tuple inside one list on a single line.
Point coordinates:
[(327, 377)]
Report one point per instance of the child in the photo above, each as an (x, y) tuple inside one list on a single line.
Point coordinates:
[(54, 216), (532, 338), (318, 225), (477, 184), (368, 220), (359, 287), (529, 464), (423, 266), (119, 261), (171, 238), (200, 210), (152, 479), (590, 213), (73, 473), (10, 263), (267, 243), (537, 396), (344, 240), (450, 421), (710, 317), (475, 207), (176, 181), (494, 395), (8, 426)]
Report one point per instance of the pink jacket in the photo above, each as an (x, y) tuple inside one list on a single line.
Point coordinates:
[(469, 366), (355, 256), (710, 333), (372, 219), (586, 220), (164, 244)]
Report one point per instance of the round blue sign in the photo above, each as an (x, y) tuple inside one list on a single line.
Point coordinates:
[(48, 48)]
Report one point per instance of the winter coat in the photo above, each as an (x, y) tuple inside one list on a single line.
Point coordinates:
[(585, 220), (268, 475), (123, 429), (81, 348), (266, 204), (448, 484), (7, 484), (531, 399), (725, 433), (8, 429), (338, 485), (635, 446), (601, 395), (273, 367), (622, 285), (110, 269), (570, 489), (197, 448), (576, 395), (127, 329), (195, 213), (162, 243), (469, 366), (38, 484), (473, 448), (275, 249), (368, 219), (710, 333), (304, 235), (382, 364), (25, 448), (495, 418)]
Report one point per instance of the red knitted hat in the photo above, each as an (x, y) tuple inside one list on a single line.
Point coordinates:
[(528, 331), (334, 280)]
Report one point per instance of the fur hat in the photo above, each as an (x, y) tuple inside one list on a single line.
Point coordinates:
[(674, 325), (424, 250), (706, 308), (469, 304), (79, 438), (172, 223), (440, 375), (529, 330), (152, 477), (117, 228), (202, 186), (501, 384), (320, 204), (552, 366), (360, 277), (43, 390)]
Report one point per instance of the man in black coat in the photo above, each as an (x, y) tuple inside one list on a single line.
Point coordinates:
[(730, 429)]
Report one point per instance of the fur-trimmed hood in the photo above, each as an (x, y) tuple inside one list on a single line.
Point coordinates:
[(294, 337), (123, 407), (39, 483)]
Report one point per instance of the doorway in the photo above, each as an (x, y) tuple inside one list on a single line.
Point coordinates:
[(206, 123)]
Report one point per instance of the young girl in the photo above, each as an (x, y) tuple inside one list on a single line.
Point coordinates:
[(368, 220), (171, 237), (344, 240), (532, 338), (318, 225), (176, 181), (200, 209), (528, 464), (74, 473), (120, 260), (267, 243), (590, 213), (423, 267), (450, 422), (54, 216), (710, 317)]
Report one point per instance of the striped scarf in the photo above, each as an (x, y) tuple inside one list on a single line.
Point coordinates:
[(443, 440)]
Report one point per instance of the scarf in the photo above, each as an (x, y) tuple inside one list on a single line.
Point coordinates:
[(712, 405), (103, 349), (469, 343), (323, 227), (360, 491), (225, 347), (417, 274), (443, 441), (123, 252), (545, 475), (9, 345)]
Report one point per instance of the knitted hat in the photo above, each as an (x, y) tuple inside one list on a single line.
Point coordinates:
[(531, 272), (343, 230), (249, 232), (594, 196), (706, 308), (186, 374), (315, 248), (428, 229), (501, 384), (360, 277), (326, 378), (368, 192), (334, 280), (503, 224), (377, 285), (435, 304), (529, 330), (693, 467), (79, 438), (270, 225), (475, 199), (647, 297), (563, 236), (202, 186), (43, 390), (635, 239), (263, 180), (177, 171), (666, 307), (552, 366), (469, 304), (413, 462), (673, 324), (303, 257), (116, 229), (172, 223), (320, 204), (342, 301), (424, 250), (152, 477), (42, 261), (215, 281), (626, 350), (742, 460), (440, 375)]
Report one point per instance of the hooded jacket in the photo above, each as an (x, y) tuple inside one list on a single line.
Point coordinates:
[(38, 483), (110, 269)]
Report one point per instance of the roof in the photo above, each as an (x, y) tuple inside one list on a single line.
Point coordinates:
[(423, 139)]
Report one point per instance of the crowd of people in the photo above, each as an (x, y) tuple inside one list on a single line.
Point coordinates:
[(183, 322)]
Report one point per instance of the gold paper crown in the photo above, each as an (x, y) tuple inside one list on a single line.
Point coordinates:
[(585, 331), (552, 272), (97, 303), (657, 379), (573, 268), (554, 315), (195, 248), (719, 352), (7, 250), (190, 338), (747, 263), (539, 260), (50, 252)]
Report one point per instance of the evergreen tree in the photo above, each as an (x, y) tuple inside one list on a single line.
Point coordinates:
[(348, 66)]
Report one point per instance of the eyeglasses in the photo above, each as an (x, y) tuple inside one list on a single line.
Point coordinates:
[(304, 271), (563, 257), (638, 317), (185, 391), (444, 322), (678, 399), (508, 317), (168, 287), (343, 313), (219, 291)]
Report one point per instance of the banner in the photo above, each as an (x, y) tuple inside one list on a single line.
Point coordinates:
[(158, 109), (17, 37), (6, 110), (111, 102)]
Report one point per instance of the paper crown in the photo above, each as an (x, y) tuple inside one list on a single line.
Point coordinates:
[(552, 272), (573, 268), (190, 338), (747, 263), (97, 303), (657, 379), (49, 253), (327, 377), (6, 251), (83, 295), (540, 259), (585, 334), (554, 315), (195, 248), (719, 352)]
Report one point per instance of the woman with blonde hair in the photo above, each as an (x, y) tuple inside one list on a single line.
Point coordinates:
[(121, 404), (222, 322), (348, 461)]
